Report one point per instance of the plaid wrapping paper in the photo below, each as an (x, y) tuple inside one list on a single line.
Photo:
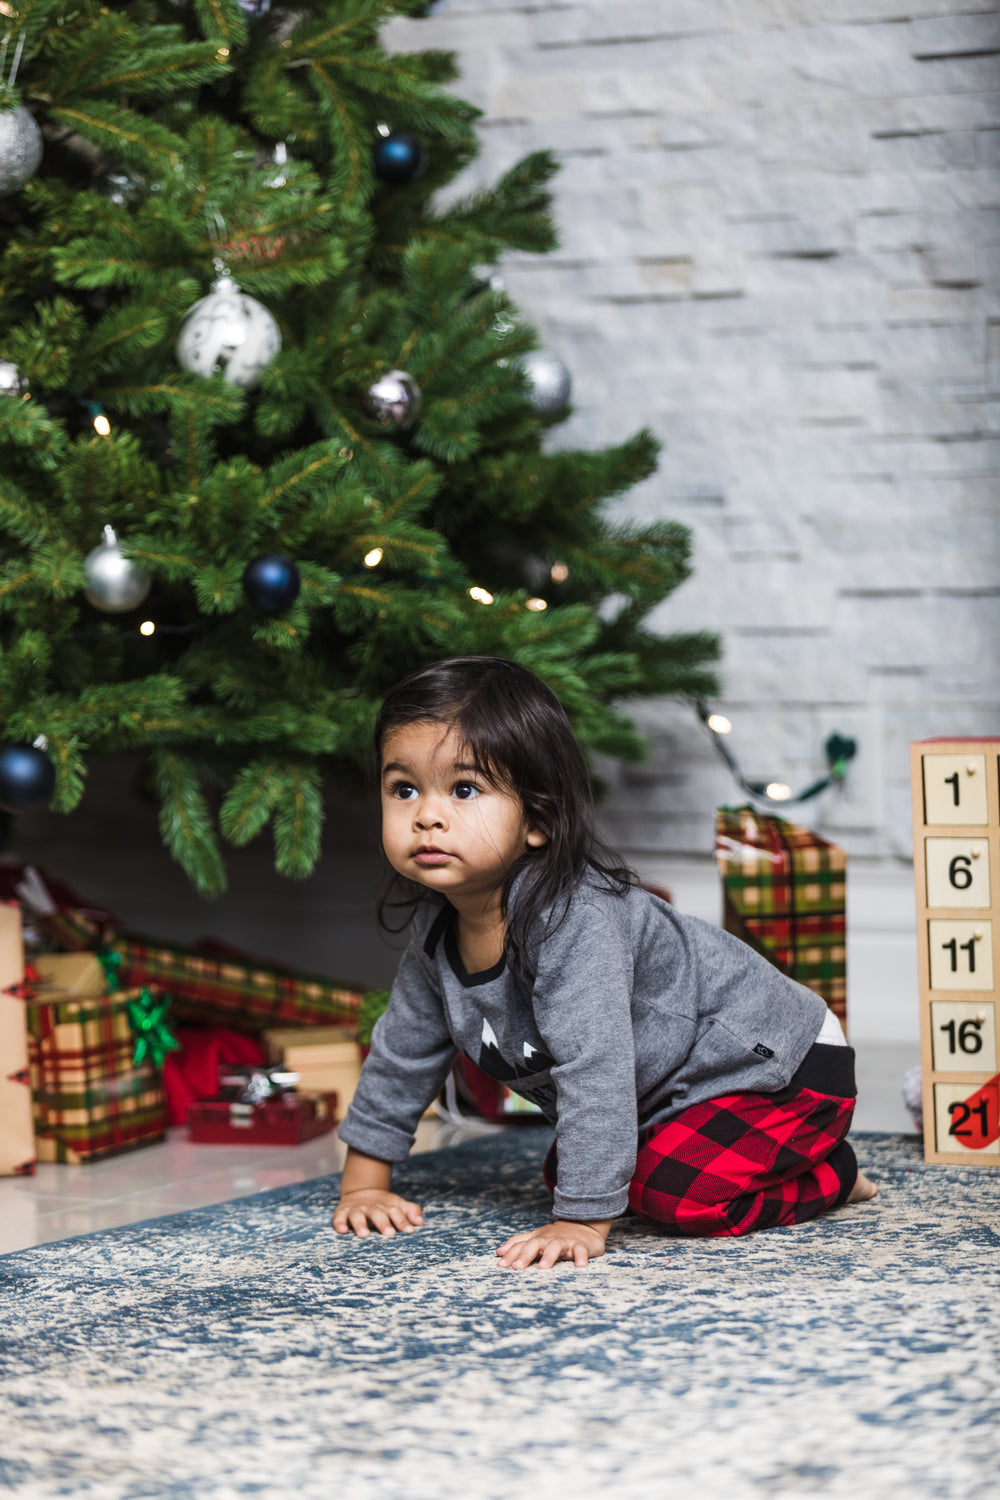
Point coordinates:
[(90, 1098), (785, 895), (223, 989)]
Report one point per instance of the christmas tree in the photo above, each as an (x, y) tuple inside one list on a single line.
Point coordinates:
[(270, 433)]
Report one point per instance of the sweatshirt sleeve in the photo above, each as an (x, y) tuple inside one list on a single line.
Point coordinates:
[(411, 1054), (582, 1006)]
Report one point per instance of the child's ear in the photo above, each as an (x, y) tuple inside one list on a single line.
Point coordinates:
[(536, 839)]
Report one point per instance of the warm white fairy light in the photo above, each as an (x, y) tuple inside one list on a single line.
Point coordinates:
[(102, 425), (559, 572), (383, 128), (373, 558), (719, 724), (481, 596), (777, 791), (147, 627), (536, 605)]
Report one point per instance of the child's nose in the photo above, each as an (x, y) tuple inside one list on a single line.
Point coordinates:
[(430, 813)]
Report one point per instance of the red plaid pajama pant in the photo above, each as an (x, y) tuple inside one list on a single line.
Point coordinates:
[(751, 1161)]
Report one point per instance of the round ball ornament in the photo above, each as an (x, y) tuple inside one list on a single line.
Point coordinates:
[(27, 778), (12, 382), (394, 400), (399, 157), (271, 582), (20, 149), (114, 583), (228, 333), (550, 383)]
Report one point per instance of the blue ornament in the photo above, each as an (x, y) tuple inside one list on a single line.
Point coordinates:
[(399, 157), (27, 778), (271, 582)]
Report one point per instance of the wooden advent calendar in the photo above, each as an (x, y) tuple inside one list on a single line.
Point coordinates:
[(956, 860)]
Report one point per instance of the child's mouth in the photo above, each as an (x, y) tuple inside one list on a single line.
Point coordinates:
[(431, 856)]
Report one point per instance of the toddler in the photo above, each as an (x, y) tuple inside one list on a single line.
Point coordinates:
[(686, 1078)]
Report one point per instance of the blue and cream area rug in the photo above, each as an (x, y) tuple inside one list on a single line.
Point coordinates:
[(246, 1350)]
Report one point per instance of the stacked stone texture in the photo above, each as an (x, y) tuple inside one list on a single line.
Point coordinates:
[(780, 245)]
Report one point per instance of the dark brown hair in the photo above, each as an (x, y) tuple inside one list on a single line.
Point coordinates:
[(519, 738)]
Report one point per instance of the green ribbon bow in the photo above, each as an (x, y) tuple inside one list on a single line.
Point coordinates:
[(153, 1038), (110, 961)]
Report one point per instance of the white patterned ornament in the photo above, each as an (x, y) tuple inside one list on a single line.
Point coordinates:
[(20, 149), (228, 333), (114, 583)]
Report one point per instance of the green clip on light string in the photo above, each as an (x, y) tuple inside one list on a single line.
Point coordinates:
[(839, 752)]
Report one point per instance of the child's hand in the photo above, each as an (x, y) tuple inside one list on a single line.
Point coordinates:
[(563, 1240), (383, 1210)]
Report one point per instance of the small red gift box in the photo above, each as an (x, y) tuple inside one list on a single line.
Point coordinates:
[(287, 1120)]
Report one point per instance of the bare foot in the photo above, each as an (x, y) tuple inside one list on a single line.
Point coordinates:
[(862, 1190)]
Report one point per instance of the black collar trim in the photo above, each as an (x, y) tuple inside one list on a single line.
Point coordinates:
[(437, 927), (465, 979)]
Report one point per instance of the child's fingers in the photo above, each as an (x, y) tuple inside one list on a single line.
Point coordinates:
[(406, 1216), (515, 1239)]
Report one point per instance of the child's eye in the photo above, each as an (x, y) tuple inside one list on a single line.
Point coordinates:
[(404, 790), (466, 790)]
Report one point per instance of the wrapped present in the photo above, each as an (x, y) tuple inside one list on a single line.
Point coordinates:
[(192, 1072), (286, 1119), (17, 1133), (91, 1097), (54, 914), (784, 892), (326, 1058), (215, 985), (210, 983)]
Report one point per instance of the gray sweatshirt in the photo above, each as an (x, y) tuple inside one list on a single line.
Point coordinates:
[(635, 1012)]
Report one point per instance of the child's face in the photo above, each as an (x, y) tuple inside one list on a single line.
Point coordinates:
[(444, 824)]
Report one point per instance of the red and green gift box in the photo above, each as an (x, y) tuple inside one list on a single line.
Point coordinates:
[(210, 983), (784, 893), (92, 1098), (215, 985)]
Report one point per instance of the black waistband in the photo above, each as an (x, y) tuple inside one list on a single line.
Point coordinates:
[(828, 1070)]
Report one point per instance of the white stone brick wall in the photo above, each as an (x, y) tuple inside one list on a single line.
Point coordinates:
[(780, 246)]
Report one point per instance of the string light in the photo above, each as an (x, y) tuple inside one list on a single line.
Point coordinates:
[(559, 572), (839, 753), (480, 595), (147, 627), (536, 605), (373, 558), (102, 425)]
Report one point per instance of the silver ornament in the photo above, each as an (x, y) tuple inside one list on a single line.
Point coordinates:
[(394, 400), (550, 382), (114, 584), (20, 149), (11, 381), (228, 333)]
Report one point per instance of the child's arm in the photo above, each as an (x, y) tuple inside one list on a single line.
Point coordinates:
[(566, 1239), (366, 1198)]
